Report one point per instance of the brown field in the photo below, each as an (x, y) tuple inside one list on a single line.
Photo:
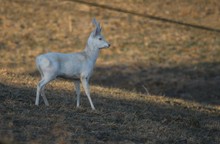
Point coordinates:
[(159, 82)]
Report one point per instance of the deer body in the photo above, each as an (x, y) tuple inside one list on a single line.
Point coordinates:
[(75, 66)]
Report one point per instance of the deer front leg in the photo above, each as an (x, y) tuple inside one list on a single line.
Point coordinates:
[(85, 84), (77, 87)]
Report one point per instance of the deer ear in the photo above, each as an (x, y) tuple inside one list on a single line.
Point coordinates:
[(97, 24), (94, 21), (98, 28)]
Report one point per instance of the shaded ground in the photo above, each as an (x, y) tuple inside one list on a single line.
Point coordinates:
[(116, 119), (198, 83)]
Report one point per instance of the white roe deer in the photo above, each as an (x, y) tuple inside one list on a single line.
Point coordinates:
[(75, 66)]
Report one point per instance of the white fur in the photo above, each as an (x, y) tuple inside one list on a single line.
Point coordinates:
[(76, 66)]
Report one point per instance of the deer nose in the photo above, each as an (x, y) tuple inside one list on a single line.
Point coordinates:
[(109, 45)]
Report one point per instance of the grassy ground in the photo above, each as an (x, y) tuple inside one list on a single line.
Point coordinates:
[(158, 83)]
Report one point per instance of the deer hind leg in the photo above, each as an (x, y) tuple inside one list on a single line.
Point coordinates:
[(44, 96), (47, 74), (85, 84), (40, 90), (77, 87)]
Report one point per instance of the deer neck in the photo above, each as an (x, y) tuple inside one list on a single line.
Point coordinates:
[(92, 53)]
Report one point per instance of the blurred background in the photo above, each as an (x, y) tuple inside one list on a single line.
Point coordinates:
[(169, 48)]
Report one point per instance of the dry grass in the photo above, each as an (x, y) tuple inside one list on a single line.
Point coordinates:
[(178, 65)]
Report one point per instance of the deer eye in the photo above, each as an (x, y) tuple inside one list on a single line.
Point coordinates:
[(100, 38)]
